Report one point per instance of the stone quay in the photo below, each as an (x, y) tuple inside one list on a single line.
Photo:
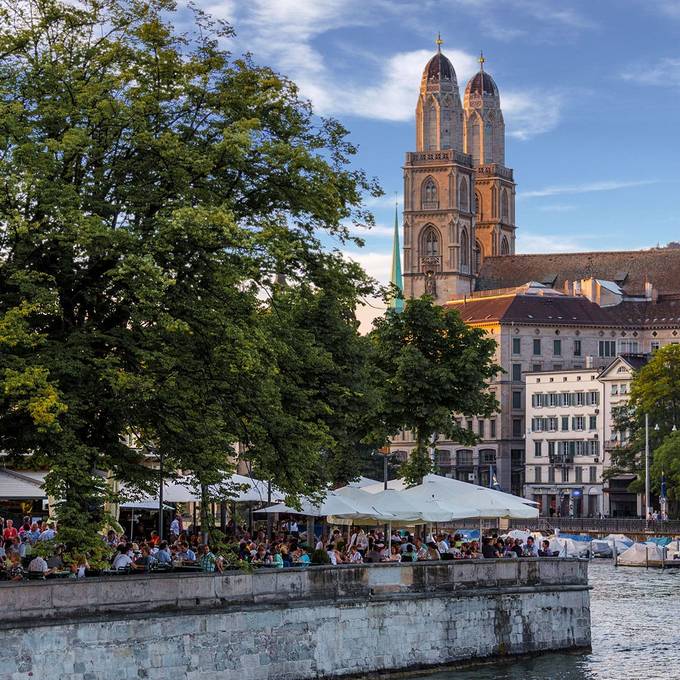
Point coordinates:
[(293, 624)]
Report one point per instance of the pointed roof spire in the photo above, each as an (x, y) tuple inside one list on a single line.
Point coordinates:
[(481, 61), (397, 302), (439, 42)]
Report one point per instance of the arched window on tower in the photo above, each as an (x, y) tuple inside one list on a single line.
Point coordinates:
[(430, 245), (505, 206), (478, 257), (429, 194), (478, 206), (463, 195), (464, 251), (494, 202), (430, 125), (505, 246)]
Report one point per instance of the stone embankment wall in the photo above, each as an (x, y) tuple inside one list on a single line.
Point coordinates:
[(292, 624)]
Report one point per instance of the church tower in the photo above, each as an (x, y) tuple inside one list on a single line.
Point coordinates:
[(439, 177), (484, 139)]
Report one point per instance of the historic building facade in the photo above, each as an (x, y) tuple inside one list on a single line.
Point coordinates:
[(552, 312), (459, 198)]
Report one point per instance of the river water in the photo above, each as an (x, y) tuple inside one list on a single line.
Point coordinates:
[(635, 633)]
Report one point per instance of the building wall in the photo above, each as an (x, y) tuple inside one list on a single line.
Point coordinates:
[(564, 466), (293, 624)]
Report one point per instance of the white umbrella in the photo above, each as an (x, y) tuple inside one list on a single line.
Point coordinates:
[(333, 504), (396, 484), (487, 503)]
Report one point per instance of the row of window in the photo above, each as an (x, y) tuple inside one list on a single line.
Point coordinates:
[(550, 423), (430, 198), (563, 399), (464, 457), (606, 348), (566, 474), (567, 448), (619, 389)]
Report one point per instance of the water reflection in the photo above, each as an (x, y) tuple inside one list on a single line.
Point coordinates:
[(634, 614)]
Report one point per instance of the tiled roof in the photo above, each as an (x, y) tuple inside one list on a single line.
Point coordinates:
[(439, 68), (566, 310), (629, 269), (481, 83)]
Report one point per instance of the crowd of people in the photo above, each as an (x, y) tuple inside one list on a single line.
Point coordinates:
[(288, 547), (21, 556)]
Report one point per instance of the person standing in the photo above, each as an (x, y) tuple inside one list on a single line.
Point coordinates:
[(10, 531)]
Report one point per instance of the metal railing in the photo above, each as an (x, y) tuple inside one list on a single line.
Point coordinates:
[(611, 525)]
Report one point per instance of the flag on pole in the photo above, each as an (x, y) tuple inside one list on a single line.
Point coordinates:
[(493, 482)]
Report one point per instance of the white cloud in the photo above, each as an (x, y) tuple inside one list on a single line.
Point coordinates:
[(370, 309), (608, 185), (379, 230), (530, 113), (540, 243), (386, 88), (670, 8), (376, 264), (664, 72), (556, 207)]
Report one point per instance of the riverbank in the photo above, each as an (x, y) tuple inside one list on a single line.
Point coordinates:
[(633, 634), (292, 624)]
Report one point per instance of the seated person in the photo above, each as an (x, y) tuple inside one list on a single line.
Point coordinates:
[(544, 550), (489, 550), (144, 562), (186, 554), (38, 566), (530, 549), (122, 560), (15, 572), (163, 555)]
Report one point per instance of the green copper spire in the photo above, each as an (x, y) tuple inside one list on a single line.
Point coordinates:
[(396, 303)]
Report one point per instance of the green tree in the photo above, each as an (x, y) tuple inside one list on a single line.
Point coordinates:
[(152, 188), (655, 391), (429, 367)]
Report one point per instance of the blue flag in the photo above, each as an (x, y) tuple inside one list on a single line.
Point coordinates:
[(663, 485)]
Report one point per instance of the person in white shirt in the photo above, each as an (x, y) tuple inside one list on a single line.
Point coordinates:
[(122, 560), (38, 566), (174, 526)]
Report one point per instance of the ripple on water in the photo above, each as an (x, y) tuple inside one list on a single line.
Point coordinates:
[(634, 614)]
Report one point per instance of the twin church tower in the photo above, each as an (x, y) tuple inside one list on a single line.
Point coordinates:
[(459, 198)]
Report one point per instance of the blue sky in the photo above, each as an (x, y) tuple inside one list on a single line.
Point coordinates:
[(590, 93)]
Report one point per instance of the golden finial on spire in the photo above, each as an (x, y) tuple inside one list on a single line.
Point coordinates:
[(481, 60), (439, 42)]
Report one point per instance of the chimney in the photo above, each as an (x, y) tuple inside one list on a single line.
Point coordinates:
[(589, 362), (651, 293)]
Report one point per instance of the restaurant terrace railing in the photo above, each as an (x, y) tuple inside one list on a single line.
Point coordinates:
[(610, 525)]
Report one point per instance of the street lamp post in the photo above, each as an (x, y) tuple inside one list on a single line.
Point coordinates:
[(160, 496), (385, 452)]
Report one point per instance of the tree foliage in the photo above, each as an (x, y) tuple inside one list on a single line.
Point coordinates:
[(655, 391), (429, 368), (152, 188)]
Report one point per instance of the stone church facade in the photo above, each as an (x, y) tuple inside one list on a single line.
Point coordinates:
[(459, 198), (549, 312)]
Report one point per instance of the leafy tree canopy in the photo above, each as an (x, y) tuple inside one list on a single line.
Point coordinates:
[(429, 368), (153, 186), (655, 391)]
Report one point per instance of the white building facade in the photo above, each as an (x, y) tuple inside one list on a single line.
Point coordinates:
[(564, 461)]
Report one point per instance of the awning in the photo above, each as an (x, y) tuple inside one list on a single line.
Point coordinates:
[(16, 485)]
